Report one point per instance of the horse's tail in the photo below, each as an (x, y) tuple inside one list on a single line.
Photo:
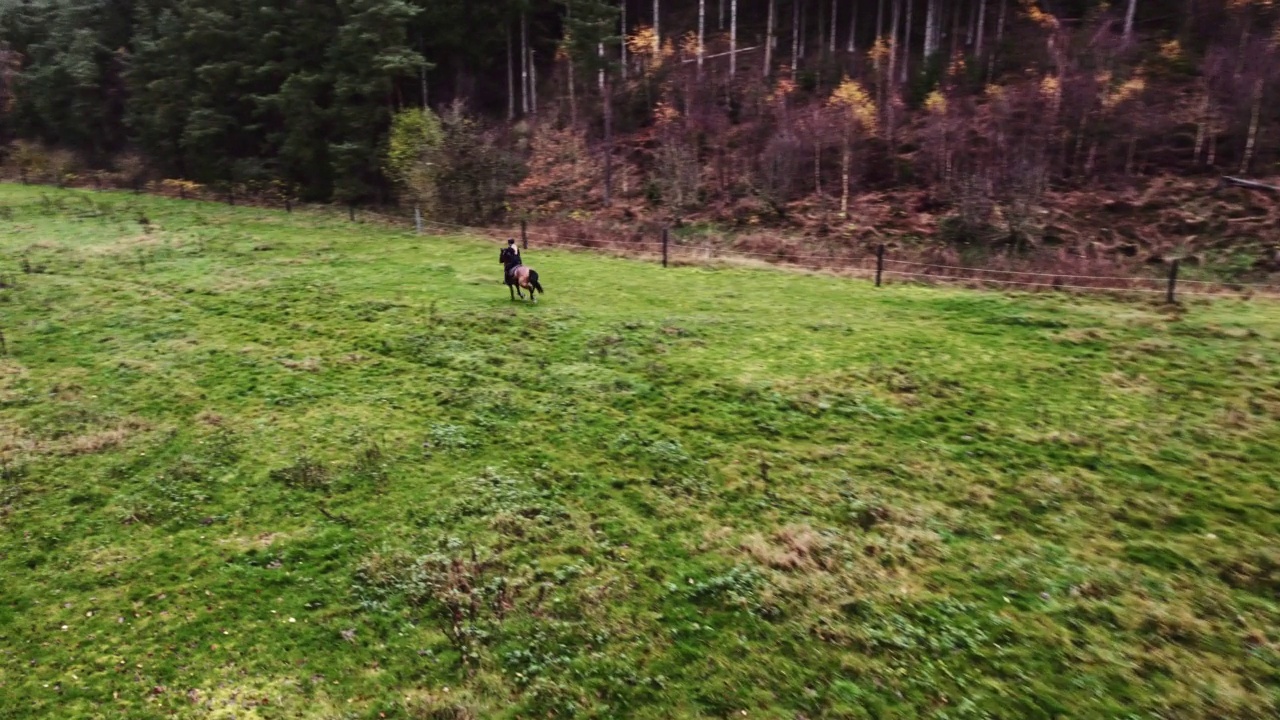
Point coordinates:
[(533, 281)]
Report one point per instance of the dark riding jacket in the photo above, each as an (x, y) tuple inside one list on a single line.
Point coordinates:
[(510, 258)]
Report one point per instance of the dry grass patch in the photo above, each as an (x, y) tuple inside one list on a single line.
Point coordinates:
[(307, 364), (792, 548), (101, 440)]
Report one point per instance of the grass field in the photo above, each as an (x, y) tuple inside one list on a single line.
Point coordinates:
[(259, 465)]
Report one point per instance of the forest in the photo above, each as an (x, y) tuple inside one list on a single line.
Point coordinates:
[(743, 113)]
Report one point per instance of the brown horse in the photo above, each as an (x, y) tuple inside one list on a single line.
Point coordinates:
[(518, 276)]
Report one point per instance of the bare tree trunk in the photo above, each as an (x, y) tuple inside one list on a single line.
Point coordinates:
[(795, 37), (657, 39), (982, 21), (991, 60), (822, 29), (1252, 141), (893, 43), (623, 13), (804, 26), (1078, 146), (817, 156), (607, 103), (880, 30), (524, 63), (1133, 152), (573, 97), (852, 46), (533, 85), (930, 20), (511, 80), (600, 72), (702, 34), (835, 13), (733, 38), (1202, 128), (770, 40), (906, 43), (844, 177), (892, 90), (1212, 158), (955, 28), (1128, 20), (973, 21)]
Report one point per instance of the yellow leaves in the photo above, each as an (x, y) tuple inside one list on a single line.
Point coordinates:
[(879, 51), (1051, 87), (174, 185), (1112, 94), (784, 87), (689, 44), (642, 41), (1051, 92), (993, 92), (1038, 16), (643, 44), (1171, 51), (665, 114), (1127, 90), (957, 67), (852, 98), (936, 103)]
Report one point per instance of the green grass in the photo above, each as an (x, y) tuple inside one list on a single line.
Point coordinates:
[(259, 465)]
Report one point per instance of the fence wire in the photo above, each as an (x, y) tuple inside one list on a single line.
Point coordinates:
[(863, 266)]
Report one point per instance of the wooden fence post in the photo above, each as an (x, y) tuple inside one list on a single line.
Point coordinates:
[(351, 211), (524, 233), (879, 262), (664, 247), (288, 204), (1173, 281)]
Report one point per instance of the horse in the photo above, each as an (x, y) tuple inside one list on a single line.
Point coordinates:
[(518, 276)]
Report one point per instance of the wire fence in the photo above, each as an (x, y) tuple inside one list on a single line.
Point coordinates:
[(878, 267)]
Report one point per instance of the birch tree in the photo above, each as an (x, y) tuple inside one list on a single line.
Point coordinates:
[(702, 33), (733, 37), (857, 115), (770, 39)]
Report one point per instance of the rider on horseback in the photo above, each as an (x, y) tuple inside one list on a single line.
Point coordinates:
[(517, 276), (510, 259)]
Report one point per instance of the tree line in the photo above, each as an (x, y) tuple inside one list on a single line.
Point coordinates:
[(476, 109)]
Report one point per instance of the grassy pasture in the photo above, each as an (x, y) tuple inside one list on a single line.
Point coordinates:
[(260, 465)]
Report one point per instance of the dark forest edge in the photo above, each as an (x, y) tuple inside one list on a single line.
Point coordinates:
[(1074, 129)]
